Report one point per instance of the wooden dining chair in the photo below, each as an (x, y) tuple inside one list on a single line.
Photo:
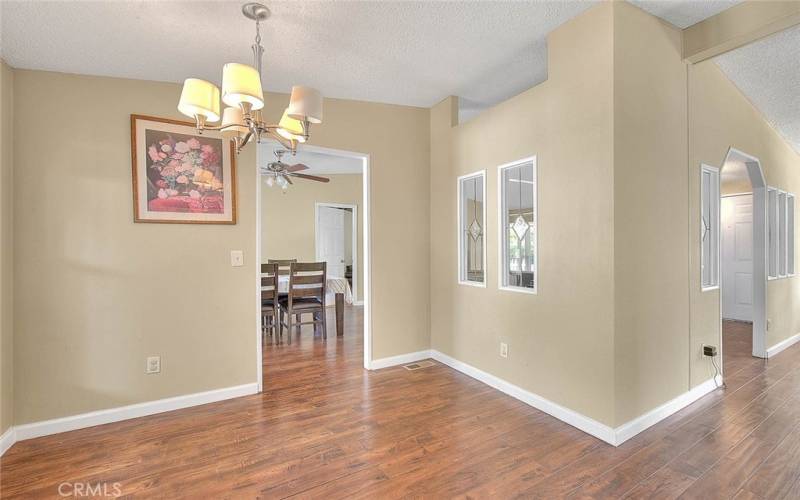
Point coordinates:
[(283, 265), (270, 321), (307, 287), (283, 270)]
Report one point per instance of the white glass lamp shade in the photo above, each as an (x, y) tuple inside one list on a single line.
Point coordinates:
[(199, 98), (232, 122), (241, 83), (290, 128), (305, 103)]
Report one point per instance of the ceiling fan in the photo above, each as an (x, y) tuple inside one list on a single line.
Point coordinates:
[(280, 173)]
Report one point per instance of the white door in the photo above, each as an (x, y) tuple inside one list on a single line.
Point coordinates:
[(331, 239), (737, 257)]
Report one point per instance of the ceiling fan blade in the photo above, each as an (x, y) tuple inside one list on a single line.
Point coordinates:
[(311, 177), (296, 167)]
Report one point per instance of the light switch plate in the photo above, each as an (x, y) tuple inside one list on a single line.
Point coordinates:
[(237, 258), (153, 364), (503, 350)]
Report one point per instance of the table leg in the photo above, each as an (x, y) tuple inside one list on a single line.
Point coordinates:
[(339, 314)]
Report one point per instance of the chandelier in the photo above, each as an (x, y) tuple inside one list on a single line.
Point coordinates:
[(242, 93)]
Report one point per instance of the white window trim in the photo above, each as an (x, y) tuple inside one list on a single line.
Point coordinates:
[(770, 216), (793, 254), (501, 228), (482, 175), (714, 170), (783, 263), (773, 213)]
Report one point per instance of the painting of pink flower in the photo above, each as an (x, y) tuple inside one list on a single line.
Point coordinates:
[(153, 153), (182, 176)]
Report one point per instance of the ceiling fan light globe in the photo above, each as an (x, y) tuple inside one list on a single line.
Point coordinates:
[(199, 98), (241, 83), (305, 103)]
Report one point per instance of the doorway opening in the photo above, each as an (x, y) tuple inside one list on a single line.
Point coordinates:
[(336, 241), (287, 228), (742, 260)]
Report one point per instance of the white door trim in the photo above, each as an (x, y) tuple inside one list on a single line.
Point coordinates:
[(760, 251), (365, 255), (729, 289), (354, 243)]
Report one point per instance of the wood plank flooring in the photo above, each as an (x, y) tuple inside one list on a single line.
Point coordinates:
[(325, 428)]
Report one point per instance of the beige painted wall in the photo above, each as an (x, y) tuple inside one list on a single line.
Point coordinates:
[(97, 293), (616, 327), (720, 117), (6, 248), (650, 213), (561, 340), (287, 219)]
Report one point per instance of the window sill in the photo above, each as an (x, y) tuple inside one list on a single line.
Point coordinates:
[(526, 291), (472, 283)]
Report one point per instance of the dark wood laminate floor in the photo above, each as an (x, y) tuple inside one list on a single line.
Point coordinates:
[(325, 428)]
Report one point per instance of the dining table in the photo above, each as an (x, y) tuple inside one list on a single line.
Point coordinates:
[(339, 287)]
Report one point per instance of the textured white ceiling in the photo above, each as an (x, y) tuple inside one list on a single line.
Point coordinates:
[(684, 13), (412, 53), (768, 73)]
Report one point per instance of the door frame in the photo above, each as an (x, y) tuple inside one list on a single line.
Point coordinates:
[(758, 184), (353, 244), (721, 251), (365, 253)]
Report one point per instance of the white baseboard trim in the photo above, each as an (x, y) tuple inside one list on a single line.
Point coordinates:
[(100, 417), (400, 359), (7, 440), (358, 303), (573, 418), (588, 425), (785, 344), (626, 431)]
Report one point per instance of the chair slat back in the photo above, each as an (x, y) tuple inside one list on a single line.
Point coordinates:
[(269, 282), (308, 280), (283, 265)]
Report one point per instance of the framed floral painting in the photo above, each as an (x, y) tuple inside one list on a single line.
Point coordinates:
[(180, 176)]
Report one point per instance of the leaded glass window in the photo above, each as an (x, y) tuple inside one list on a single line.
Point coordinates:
[(472, 229), (518, 226)]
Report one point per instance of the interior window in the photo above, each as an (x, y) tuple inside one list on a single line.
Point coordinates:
[(790, 234), (772, 218), (472, 225), (781, 234), (518, 231), (709, 227)]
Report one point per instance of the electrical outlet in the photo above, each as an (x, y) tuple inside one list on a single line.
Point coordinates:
[(153, 364), (503, 350), (709, 350), (237, 258)]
